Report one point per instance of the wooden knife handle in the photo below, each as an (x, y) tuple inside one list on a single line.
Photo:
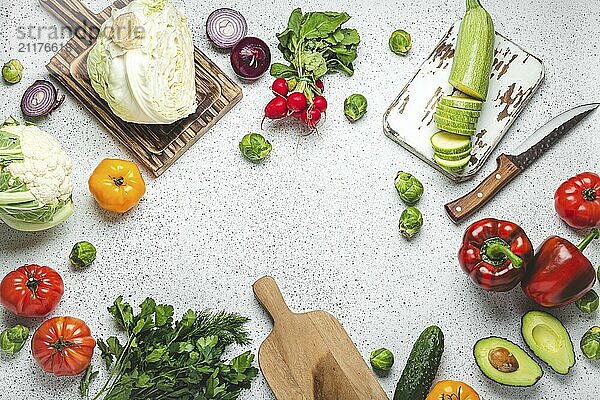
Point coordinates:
[(473, 201), (268, 294), (75, 15)]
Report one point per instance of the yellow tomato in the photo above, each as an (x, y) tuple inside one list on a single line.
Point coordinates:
[(452, 390), (117, 185)]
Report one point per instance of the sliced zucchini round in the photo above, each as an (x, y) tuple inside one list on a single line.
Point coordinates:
[(450, 143), (454, 157), (447, 121), (454, 129), (458, 111), (462, 102), (457, 117), (454, 166)]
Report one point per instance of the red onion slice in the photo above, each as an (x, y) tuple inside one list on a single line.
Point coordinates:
[(40, 99), (225, 27)]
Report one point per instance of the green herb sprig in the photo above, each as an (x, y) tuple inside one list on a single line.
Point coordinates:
[(163, 359)]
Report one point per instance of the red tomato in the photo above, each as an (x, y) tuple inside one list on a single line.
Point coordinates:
[(31, 291), (63, 346), (577, 201)]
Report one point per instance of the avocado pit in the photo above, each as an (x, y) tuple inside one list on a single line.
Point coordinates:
[(503, 360)]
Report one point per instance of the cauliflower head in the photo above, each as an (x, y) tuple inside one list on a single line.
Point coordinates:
[(35, 179)]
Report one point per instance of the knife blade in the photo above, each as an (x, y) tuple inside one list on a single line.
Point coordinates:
[(511, 165)]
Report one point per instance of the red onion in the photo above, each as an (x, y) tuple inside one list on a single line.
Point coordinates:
[(250, 58), (40, 99), (225, 27)]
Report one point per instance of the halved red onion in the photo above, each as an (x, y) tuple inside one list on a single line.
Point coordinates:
[(40, 99), (250, 58), (225, 27)]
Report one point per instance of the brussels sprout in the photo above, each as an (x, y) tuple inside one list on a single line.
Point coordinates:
[(588, 303), (411, 222), (409, 188), (355, 107), (590, 343), (82, 255), (382, 359), (255, 147), (13, 339), (12, 71), (400, 42)]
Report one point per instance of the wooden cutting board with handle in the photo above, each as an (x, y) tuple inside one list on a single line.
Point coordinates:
[(310, 356), (155, 146)]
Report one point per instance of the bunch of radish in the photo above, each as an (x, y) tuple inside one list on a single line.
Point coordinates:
[(300, 99)]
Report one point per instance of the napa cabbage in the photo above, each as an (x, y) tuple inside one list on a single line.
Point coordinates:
[(142, 63)]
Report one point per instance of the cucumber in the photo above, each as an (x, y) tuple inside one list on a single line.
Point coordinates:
[(474, 52), (454, 166), (453, 157), (422, 365), (453, 129), (450, 143), (459, 111), (457, 117), (456, 124), (462, 102)]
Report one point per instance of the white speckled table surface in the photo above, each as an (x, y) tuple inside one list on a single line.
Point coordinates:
[(321, 213)]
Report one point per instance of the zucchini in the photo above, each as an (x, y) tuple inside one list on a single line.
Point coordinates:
[(457, 117), (456, 124), (462, 102), (458, 111), (450, 143), (422, 365), (454, 166), (453, 129), (474, 52), (453, 157)]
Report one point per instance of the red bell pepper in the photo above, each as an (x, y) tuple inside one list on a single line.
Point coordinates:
[(496, 254), (577, 201), (561, 274)]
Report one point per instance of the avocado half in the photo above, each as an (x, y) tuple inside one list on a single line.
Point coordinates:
[(528, 372), (547, 337)]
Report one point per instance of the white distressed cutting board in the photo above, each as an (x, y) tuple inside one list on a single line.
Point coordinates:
[(516, 75)]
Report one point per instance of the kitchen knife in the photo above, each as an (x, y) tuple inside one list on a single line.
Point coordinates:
[(509, 166)]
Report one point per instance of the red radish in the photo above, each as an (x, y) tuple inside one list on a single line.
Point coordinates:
[(280, 87), (319, 84), (297, 114), (320, 103), (296, 101), (276, 108), (311, 116)]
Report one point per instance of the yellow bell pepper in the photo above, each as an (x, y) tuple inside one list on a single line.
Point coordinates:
[(117, 185)]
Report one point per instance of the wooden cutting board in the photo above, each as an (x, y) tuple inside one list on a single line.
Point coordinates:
[(310, 356), (156, 146)]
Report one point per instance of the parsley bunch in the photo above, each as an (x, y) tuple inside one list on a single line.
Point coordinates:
[(162, 359)]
